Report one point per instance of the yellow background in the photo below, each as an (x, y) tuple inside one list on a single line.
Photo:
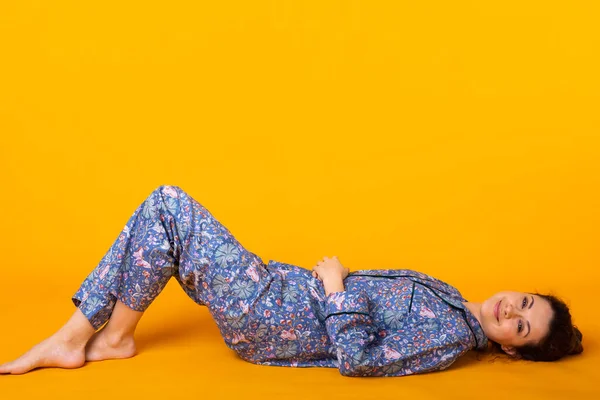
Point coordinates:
[(457, 138)]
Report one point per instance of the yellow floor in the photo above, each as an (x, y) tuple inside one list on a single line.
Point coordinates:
[(458, 138), (181, 355)]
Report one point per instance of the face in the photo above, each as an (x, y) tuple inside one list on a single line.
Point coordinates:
[(514, 319)]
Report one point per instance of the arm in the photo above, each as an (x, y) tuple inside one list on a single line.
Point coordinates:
[(349, 327), (335, 284), (361, 353)]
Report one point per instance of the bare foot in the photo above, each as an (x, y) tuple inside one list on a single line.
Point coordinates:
[(104, 345), (51, 352)]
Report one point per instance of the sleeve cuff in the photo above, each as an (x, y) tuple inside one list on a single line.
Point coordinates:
[(347, 302)]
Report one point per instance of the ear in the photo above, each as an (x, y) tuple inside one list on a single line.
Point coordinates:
[(510, 350)]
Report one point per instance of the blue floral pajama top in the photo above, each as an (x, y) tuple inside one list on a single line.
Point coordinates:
[(385, 322)]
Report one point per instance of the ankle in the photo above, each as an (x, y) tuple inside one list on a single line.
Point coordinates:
[(116, 338), (73, 338), (77, 331)]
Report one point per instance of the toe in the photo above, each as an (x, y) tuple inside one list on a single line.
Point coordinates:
[(21, 369), (5, 368)]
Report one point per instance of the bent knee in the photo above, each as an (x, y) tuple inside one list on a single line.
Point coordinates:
[(170, 191)]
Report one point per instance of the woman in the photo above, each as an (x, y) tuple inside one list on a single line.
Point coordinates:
[(365, 323)]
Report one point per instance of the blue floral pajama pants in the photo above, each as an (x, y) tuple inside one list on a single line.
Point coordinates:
[(172, 235)]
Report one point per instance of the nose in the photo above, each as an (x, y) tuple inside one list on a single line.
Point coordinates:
[(508, 311)]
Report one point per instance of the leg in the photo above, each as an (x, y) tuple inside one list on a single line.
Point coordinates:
[(115, 340), (133, 272), (64, 349), (140, 262)]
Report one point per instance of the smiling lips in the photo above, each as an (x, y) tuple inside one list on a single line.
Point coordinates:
[(497, 310)]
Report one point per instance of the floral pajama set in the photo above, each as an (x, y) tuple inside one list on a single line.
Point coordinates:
[(385, 322)]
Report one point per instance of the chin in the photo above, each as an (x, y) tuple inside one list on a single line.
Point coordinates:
[(487, 310)]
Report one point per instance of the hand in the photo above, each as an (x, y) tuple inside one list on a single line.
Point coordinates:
[(329, 269)]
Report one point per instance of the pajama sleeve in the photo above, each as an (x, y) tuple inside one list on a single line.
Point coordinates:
[(361, 352)]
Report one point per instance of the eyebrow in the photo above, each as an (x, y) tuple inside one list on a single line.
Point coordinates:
[(529, 326)]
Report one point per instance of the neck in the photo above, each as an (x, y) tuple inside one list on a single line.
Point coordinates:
[(475, 309)]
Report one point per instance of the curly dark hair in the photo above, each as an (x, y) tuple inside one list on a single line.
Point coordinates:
[(563, 337)]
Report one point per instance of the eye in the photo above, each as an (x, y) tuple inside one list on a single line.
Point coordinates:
[(520, 328), (524, 301)]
